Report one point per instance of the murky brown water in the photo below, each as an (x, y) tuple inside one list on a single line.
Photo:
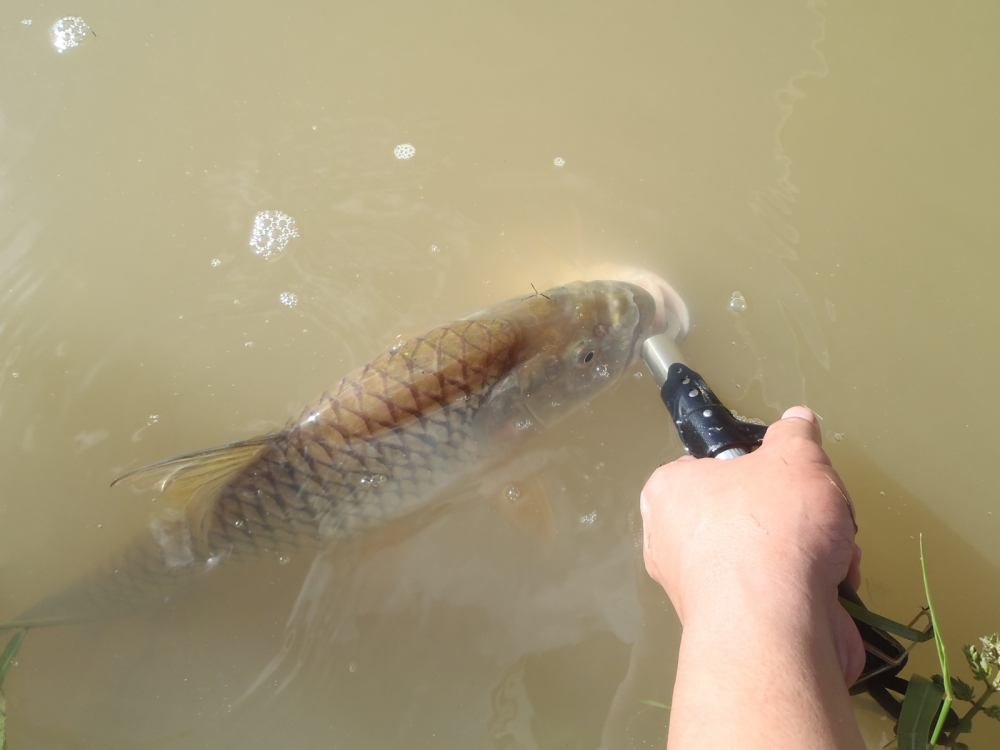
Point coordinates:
[(836, 167)]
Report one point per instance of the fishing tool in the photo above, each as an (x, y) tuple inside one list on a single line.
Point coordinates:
[(708, 429)]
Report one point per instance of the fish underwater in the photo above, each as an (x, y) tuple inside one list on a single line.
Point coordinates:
[(383, 441)]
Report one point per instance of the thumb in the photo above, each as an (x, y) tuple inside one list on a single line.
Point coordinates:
[(797, 422)]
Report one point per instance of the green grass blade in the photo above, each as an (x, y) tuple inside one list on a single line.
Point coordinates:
[(6, 660), (655, 704), (941, 652), (10, 653), (48, 622), (920, 708), (865, 615)]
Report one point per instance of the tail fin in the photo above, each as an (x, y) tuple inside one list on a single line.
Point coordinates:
[(173, 549)]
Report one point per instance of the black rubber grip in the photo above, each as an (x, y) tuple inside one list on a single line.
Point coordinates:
[(706, 427)]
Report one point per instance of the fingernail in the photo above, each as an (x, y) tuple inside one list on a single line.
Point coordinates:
[(800, 412)]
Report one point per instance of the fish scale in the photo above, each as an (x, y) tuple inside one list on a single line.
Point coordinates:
[(401, 421)]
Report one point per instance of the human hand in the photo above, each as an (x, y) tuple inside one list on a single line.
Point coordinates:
[(765, 538)]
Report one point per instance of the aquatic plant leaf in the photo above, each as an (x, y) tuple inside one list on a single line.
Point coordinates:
[(993, 712), (961, 689), (920, 709), (977, 664)]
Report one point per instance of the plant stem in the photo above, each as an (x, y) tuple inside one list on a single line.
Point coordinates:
[(974, 709), (949, 697)]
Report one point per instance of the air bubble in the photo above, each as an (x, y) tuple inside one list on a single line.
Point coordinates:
[(435, 249), (68, 32), (372, 480), (602, 371), (523, 424), (284, 559), (396, 347), (588, 519), (838, 436), (215, 262), (737, 302), (212, 561), (693, 392), (240, 523), (404, 151), (512, 493), (707, 413), (637, 374), (271, 233), (26, 22), (288, 299), (352, 667), (559, 162)]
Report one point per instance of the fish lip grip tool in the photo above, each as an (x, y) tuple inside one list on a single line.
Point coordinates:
[(709, 430), (706, 427)]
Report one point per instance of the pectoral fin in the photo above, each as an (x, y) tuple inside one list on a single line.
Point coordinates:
[(525, 505)]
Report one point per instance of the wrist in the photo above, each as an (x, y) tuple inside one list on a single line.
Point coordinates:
[(760, 667), (749, 594), (751, 622)]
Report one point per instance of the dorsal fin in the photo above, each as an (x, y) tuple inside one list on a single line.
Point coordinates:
[(191, 481)]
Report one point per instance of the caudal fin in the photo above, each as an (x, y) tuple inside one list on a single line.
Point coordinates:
[(173, 548)]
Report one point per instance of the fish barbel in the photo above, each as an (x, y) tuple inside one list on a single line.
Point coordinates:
[(385, 439)]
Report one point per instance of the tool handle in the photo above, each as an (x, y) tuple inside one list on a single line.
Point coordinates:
[(706, 427)]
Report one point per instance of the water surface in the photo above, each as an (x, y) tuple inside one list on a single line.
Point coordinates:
[(834, 166)]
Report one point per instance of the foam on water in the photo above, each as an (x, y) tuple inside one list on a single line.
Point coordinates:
[(271, 233), (67, 32)]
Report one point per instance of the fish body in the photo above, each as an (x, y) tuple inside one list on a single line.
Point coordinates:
[(387, 437)]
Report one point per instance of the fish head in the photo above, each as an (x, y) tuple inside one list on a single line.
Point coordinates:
[(573, 342)]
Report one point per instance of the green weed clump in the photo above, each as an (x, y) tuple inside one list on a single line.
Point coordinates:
[(927, 719)]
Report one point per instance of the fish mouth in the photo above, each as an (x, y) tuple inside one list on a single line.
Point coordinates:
[(671, 315), (646, 324), (661, 309)]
